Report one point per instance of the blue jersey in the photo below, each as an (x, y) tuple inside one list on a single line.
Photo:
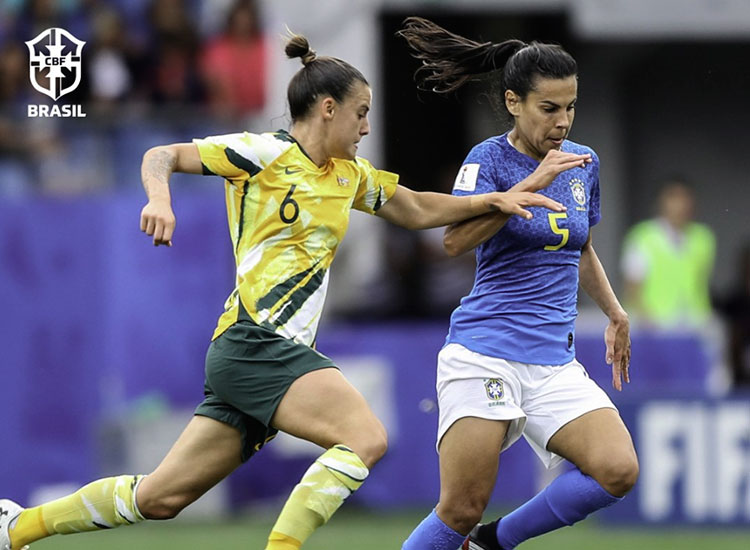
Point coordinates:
[(523, 304)]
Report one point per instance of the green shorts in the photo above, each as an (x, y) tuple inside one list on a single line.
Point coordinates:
[(248, 370)]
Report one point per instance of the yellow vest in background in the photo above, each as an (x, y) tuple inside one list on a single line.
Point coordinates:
[(675, 289)]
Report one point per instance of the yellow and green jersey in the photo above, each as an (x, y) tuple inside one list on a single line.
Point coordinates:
[(286, 217)]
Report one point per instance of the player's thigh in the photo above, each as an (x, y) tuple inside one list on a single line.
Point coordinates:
[(469, 458), (205, 453), (599, 444), (250, 369), (556, 397), (323, 407)]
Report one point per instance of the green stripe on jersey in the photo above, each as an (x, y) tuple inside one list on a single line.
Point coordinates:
[(300, 296), (241, 162)]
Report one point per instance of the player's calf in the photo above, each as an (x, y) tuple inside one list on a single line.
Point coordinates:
[(102, 504)]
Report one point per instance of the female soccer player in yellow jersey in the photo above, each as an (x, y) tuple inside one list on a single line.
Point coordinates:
[(288, 200)]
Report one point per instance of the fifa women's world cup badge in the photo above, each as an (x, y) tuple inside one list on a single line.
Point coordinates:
[(55, 70)]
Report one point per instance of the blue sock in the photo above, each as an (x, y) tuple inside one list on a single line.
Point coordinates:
[(568, 499), (433, 534)]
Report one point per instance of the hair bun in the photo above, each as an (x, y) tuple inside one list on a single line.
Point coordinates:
[(298, 46), (309, 57)]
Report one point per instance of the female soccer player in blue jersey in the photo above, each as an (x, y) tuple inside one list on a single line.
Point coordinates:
[(508, 367), (289, 195)]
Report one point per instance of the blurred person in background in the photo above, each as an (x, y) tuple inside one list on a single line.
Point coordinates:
[(289, 197), (173, 75), (31, 149), (30, 17), (735, 308), (212, 16), (111, 60), (15, 87), (233, 65), (16, 175), (508, 367), (667, 263)]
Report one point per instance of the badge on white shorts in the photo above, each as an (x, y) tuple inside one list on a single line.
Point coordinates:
[(494, 388), (466, 180)]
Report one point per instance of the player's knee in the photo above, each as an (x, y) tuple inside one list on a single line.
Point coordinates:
[(618, 475), (461, 515), (160, 508), (374, 447), (460, 519)]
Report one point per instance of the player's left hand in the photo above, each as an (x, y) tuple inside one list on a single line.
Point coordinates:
[(617, 339)]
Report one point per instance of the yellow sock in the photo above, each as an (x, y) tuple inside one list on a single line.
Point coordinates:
[(102, 504), (335, 475)]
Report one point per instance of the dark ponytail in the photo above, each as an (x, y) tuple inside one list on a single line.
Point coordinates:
[(450, 60), (320, 77)]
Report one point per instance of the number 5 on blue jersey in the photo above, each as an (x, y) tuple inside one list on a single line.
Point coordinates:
[(564, 232)]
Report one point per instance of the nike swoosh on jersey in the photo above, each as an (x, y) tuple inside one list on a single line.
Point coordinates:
[(288, 171)]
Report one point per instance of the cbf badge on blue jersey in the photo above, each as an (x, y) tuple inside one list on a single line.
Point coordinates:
[(578, 188)]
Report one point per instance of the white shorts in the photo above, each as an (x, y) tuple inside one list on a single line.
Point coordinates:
[(537, 399)]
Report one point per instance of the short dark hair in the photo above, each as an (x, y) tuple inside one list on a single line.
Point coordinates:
[(320, 76)]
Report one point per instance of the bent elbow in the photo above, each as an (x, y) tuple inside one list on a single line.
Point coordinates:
[(451, 246), (153, 150), (452, 251), (168, 150)]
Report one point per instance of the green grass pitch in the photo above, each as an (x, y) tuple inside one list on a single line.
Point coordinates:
[(363, 530)]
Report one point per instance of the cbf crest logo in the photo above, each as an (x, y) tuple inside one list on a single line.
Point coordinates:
[(579, 192), (55, 70), (495, 389)]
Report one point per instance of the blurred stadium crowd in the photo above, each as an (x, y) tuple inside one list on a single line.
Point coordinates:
[(150, 67), (165, 52)]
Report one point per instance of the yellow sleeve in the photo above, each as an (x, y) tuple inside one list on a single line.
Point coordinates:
[(375, 187), (238, 157), (215, 153)]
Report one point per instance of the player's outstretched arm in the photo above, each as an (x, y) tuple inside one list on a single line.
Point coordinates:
[(423, 210), (159, 163), (467, 235), (461, 237)]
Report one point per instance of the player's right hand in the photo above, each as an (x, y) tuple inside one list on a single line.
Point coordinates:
[(157, 220), (554, 163), (515, 202)]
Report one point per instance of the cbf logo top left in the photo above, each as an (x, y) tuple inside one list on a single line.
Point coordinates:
[(55, 62)]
